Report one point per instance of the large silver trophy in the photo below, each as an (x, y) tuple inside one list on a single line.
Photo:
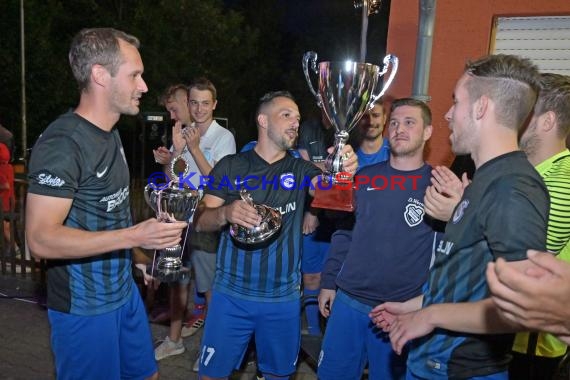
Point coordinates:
[(345, 92), (171, 202)]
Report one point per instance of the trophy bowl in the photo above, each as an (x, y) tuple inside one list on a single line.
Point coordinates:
[(171, 203), (345, 92), (270, 224)]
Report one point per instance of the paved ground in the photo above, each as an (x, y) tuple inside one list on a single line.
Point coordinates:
[(24, 340)]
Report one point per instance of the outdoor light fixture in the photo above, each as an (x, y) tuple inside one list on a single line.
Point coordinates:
[(373, 6)]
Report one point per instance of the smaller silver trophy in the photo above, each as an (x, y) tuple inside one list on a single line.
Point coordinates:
[(171, 202), (270, 224)]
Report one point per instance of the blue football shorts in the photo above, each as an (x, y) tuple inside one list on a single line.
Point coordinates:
[(314, 254), (351, 340), (231, 322), (114, 346)]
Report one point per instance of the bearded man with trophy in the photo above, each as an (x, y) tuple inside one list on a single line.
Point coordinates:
[(257, 284)]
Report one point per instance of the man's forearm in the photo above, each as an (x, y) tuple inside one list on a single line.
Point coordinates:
[(203, 166), (62, 242), (413, 304)]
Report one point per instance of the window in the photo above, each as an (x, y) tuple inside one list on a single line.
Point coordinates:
[(544, 39)]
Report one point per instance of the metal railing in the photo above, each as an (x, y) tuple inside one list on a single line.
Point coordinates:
[(15, 258)]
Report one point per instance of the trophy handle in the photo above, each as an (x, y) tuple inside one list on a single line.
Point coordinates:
[(148, 189), (311, 57), (388, 59)]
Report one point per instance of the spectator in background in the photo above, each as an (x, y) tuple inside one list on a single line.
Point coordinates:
[(7, 138), (6, 192), (373, 148), (201, 142), (175, 100)]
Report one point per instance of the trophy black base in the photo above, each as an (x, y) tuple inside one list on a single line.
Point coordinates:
[(169, 275), (334, 197)]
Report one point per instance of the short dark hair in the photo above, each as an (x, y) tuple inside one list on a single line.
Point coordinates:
[(171, 91), (510, 81), (97, 46), (426, 112), (555, 96), (203, 84), (268, 98)]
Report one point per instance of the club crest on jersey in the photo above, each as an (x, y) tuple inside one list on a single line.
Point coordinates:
[(287, 180), (414, 214), (460, 211)]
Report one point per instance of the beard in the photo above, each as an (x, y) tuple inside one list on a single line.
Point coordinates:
[(372, 134), (406, 148), (529, 141), (460, 138), (282, 141)]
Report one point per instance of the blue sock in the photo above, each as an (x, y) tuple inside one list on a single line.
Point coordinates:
[(199, 302), (312, 311)]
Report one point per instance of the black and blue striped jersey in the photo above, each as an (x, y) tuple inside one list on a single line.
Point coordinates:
[(502, 213), (269, 273), (75, 159)]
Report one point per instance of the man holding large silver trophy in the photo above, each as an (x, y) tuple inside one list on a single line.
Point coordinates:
[(346, 90), (256, 199)]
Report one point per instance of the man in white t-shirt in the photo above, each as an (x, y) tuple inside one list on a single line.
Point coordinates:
[(201, 142)]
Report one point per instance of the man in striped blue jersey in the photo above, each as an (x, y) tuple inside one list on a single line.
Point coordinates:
[(78, 218), (455, 328), (537, 355), (257, 288)]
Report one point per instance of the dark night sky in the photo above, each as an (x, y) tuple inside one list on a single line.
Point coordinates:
[(332, 27), (341, 22)]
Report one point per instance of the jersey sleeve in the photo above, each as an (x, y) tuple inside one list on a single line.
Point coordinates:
[(340, 244), (515, 216), (55, 167), (311, 170)]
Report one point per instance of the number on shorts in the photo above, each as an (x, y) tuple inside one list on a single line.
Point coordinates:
[(210, 351)]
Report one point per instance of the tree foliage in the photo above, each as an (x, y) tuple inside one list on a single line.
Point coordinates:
[(246, 47), (180, 40)]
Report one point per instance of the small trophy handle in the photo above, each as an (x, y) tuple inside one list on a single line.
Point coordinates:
[(311, 57), (388, 59), (246, 197)]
